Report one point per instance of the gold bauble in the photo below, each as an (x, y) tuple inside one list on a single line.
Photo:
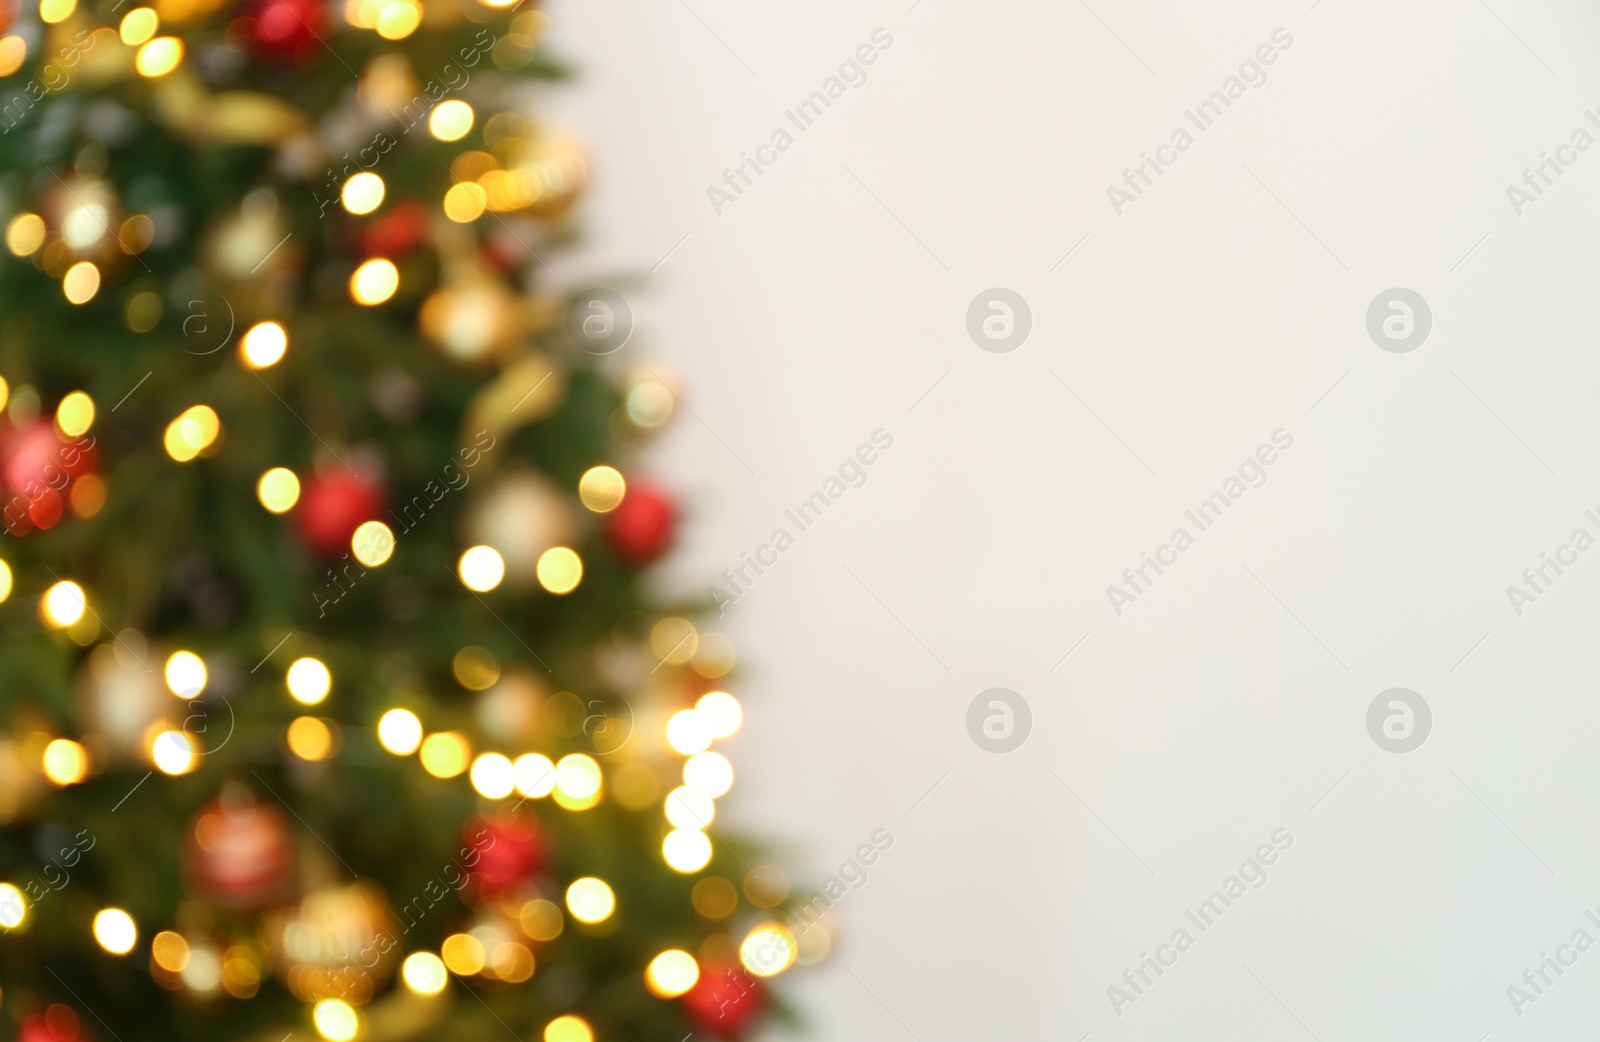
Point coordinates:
[(120, 693), (522, 517), (338, 942)]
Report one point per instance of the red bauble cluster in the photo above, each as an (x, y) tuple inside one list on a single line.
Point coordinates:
[(240, 853), (723, 1001), (332, 506), (283, 31), (642, 526), (60, 1023), (509, 851), (37, 466)]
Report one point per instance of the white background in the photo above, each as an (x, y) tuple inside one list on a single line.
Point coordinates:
[(1222, 305)]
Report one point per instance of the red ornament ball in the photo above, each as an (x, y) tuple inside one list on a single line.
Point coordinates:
[(36, 466), (397, 232), (332, 506), (239, 852), (724, 1001), (642, 526), (60, 1023), (280, 30), (508, 850)]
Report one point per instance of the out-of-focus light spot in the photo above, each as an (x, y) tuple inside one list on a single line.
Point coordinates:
[(363, 193), (263, 345), (424, 973), (445, 754), (65, 762), (493, 776), (601, 489), (688, 732), (372, 543), (192, 433), (534, 775), (308, 681), (721, 713), (81, 282), (768, 950), (560, 569), (138, 25), (278, 490), (709, 774), (75, 414), (63, 603), (114, 931), (159, 57), (671, 973), (374, 282), (336, 1020), (309, 738), (450, 120), (590, 900), (686, 850), (400, 732), (25, 233), (186, 674), (482, 568), (173, 752)]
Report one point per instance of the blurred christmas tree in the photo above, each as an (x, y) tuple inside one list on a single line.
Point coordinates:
[(332, 702)]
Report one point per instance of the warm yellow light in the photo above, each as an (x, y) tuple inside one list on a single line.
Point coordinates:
[(709, 774), (687, 809), (138, 25), (65, 762), (278, 490), (688, 732), (493, 776), (170, 951), (363, 193), (374, 282), (464, 202), (445, 754), (372, 543), (75, 414), (13, 907), (309, 738), (671, 973), (534, 775), (560, 569), (686, 850), (511, 962), (5, 582), (578, 776), (568, 1028), (721, 713), (13, 52), (481, 568), (25, 233), (81, 282), (53, 11), (399, 19), (424, 973), (768, 950), (159, 57), (186, 674), (590, 900), (475, 668), (308, 681), (64, 603), (173, 752), (194, 431), (336, 1020), (400, 732), (602, 489), (450, 120), (263, 345), (462, 954), (114, 931)]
